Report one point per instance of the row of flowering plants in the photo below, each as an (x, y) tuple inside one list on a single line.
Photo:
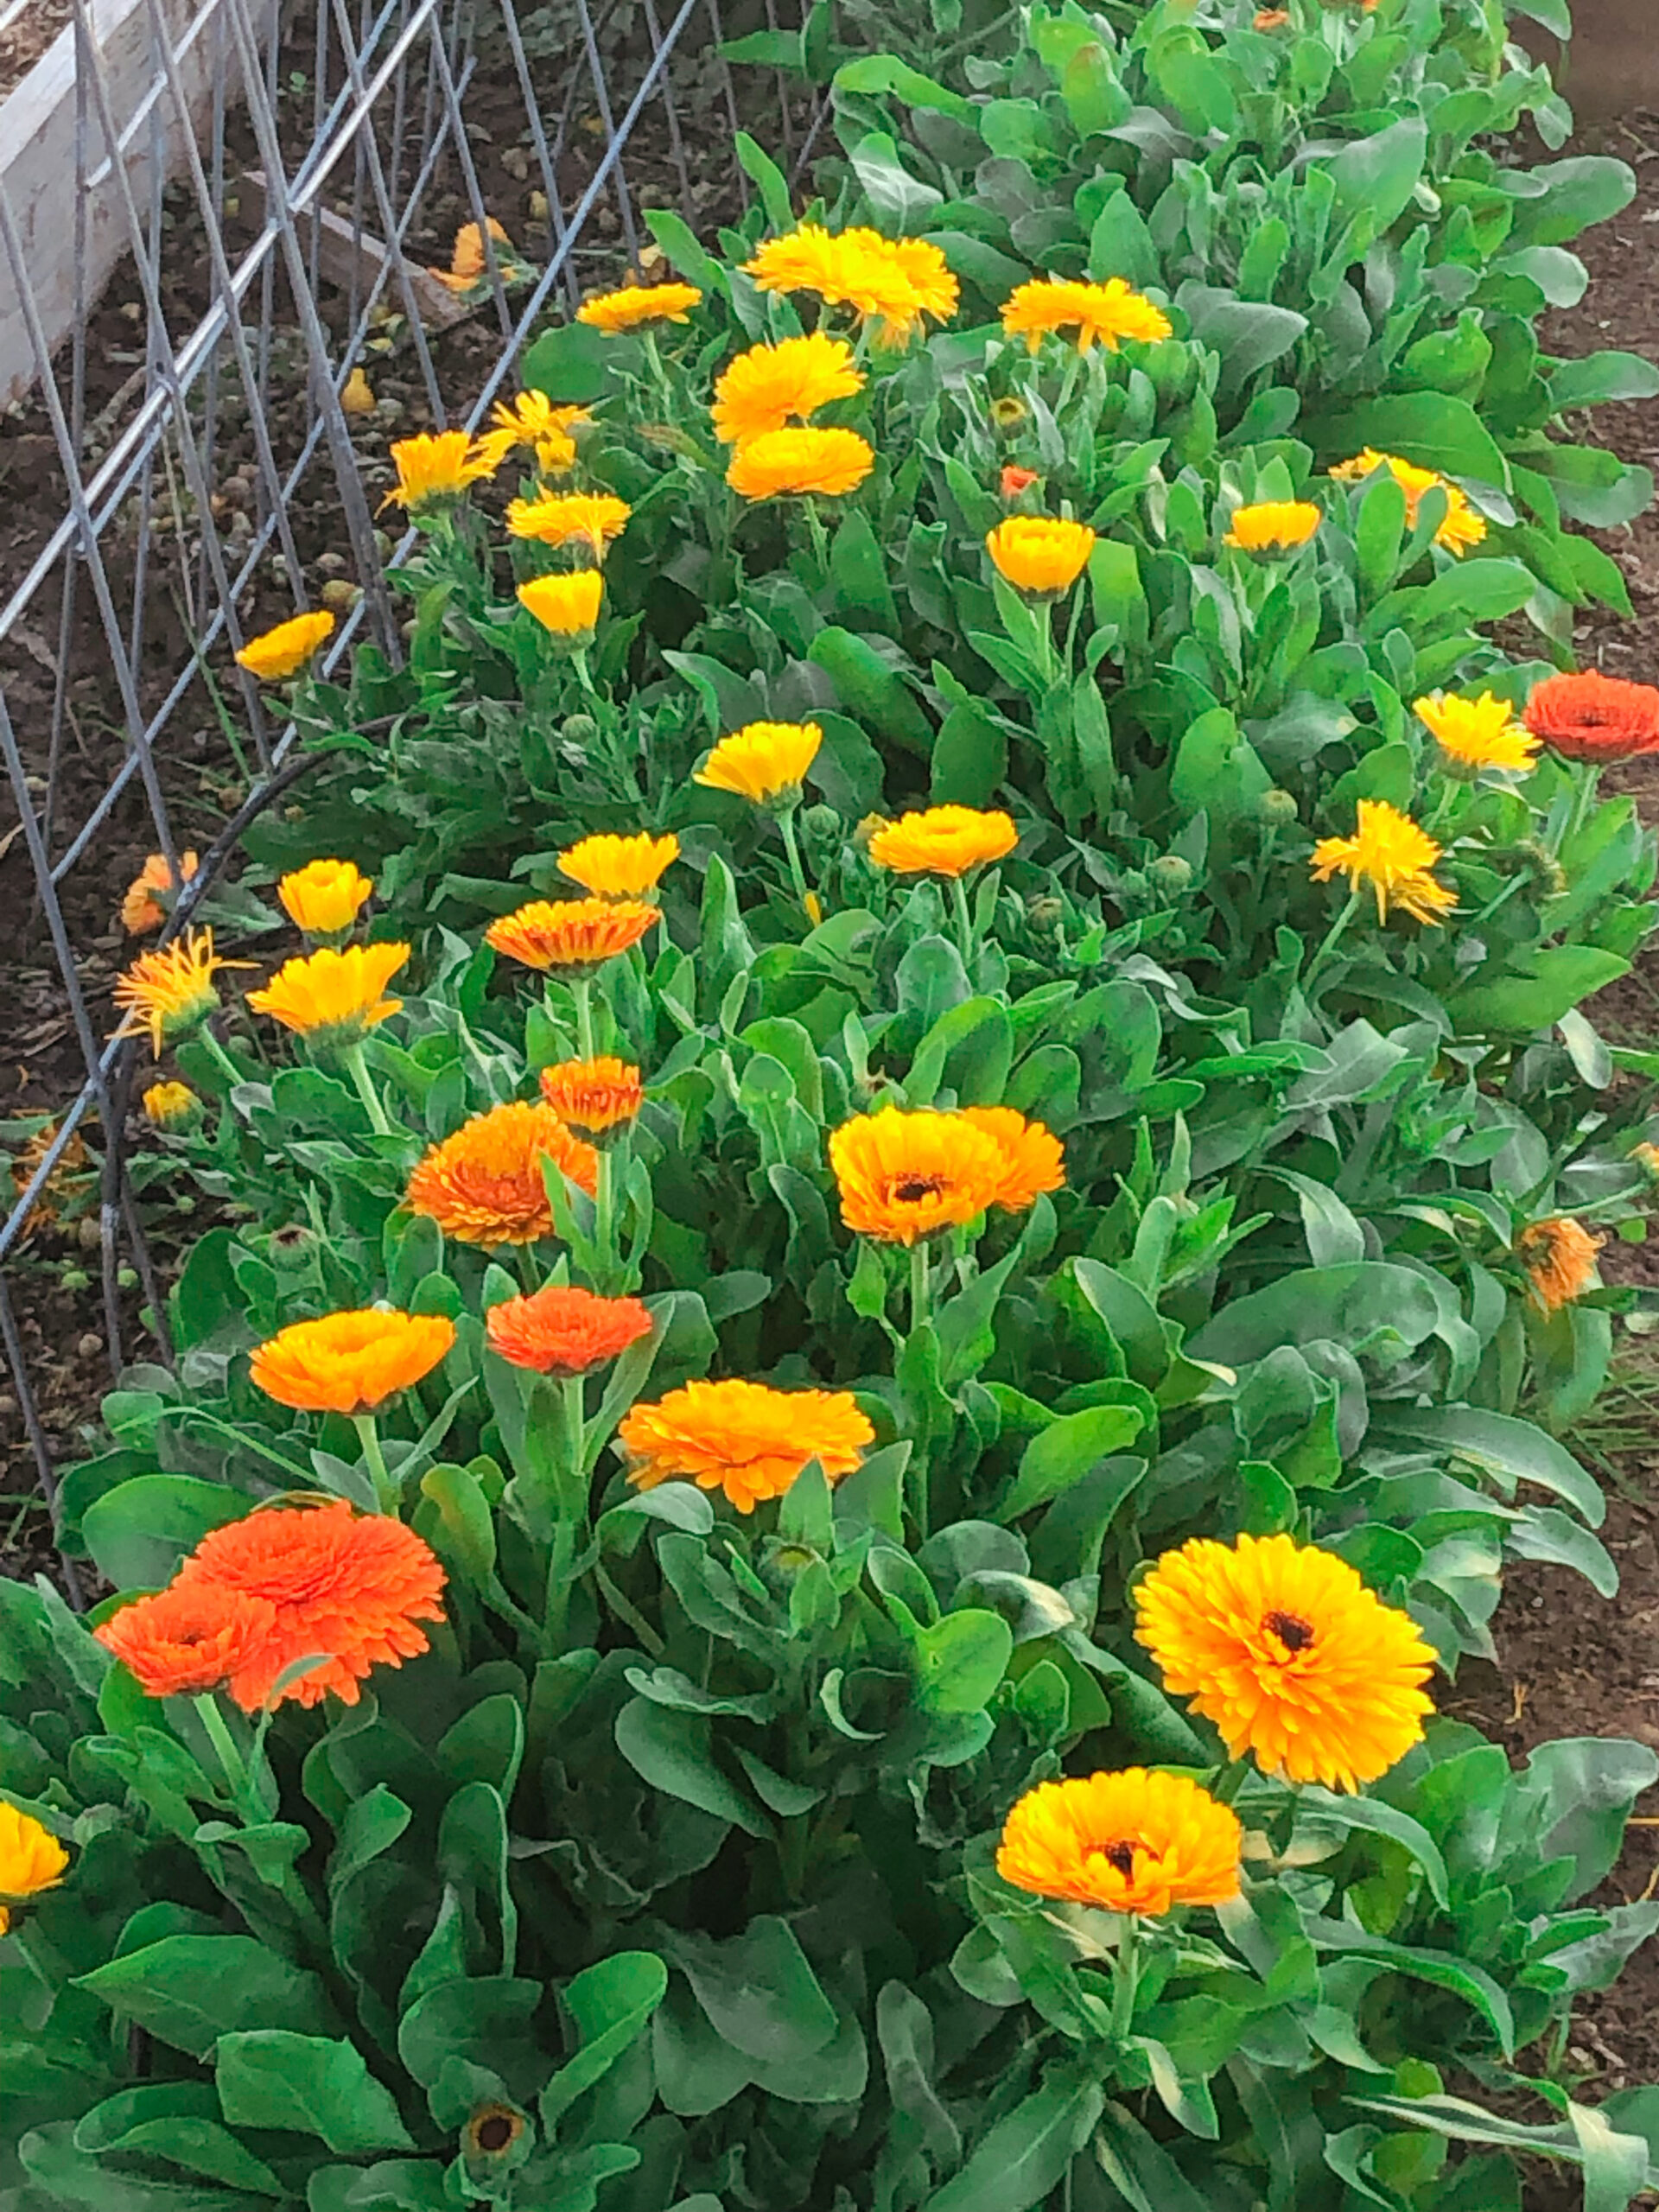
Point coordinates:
[(893, 1269)]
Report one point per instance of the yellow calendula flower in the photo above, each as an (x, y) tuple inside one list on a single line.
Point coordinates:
[(589, 519), (171, 1106), (170, 993), (770, 387), (891, 284), (1559, 1256), (435, 469), (1389, 852), (1462, 527), (1135, 1841), (333, 996), (31, 1860), (764, 762), (324, 897), (1113, 314), (904, 1175), (1273, 525), (1646, 1157), (744, 1439), (944, 840), (620, 868), (1040, 555), (781, 462), (566, 607), (639, 303), (1287, 1651), (275, 654), (1477, 733), (533, 422)]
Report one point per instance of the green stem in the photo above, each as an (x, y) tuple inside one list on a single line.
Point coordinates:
[(581, 990), (386, 1488), (1334, 938), (604, 1214), (820, 536), (220, 1058), (358, 1068), (584, 677), (625, 1610), (230, 1759), (576, 1422), (964, 928), (797, 873), (919, 1307), (1125, 1978)]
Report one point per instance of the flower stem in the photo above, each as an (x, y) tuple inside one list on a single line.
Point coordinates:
[(1125, 1979), (1334, 938), (230, 1759), (604, 1206), (220, 1058), (385, 1486), (964, 924), (581, 990), (820, 536), (575, 1423), (797, 873), (919, 1309), (358, 1068)]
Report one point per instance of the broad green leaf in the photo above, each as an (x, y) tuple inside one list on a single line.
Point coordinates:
[(310, 2085), (189, 1990)]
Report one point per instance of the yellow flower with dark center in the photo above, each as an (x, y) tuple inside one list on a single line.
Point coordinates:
[(169, 993), (435, 468), (1462, 525), (573, 939), (1559, 1256), (943, 841), (1134, 1841), (350, 1362), (1477, 733), (1273, 525), (764, 761), (31, 1860), (334, 996), (620, 868), (904, 1175), (142, 907), (171, 1106), (533, 422), (780, 463), (285, 651), (1287, 1651), (484, 1185), (324, 897), (594, 1096), (770, 387), (1112, 313), (744, 1439), (1040, 554), (590, 518), (565, 606), (1389, 852), (636, 304), (891, 284)]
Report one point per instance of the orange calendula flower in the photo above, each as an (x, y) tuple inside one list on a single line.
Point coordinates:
[(1014, 480), (563, 1331), (533, 422), (1033, 1159), (1559, 1256), (1270, 19), (350, 1362), (764, 762), (334, 996), (171, 992), (188, 1639), (1287, 1651), (70, 1168), (1646, 1157), (467, 264), (744, 1439), (1389, 852), (1135, 1841), (783, 463), (636, 304), (31, 1859), (435, 468), (1462, 524), (485, 1185), (620, 868), (891, 284), (1040, 555), (567, 607), (771, 386), (594, 1096), (171, 1106), (324, 897), (944, 840), (1477, 733), (589, 519), (907, 1174), (347, 1587), (575, 938), (1113, 312), (1594, 717), (141, 909), (1273, 525), (285, 651)]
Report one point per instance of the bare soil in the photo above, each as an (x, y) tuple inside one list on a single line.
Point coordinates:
[(25, 35)]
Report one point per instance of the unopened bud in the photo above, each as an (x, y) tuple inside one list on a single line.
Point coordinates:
[(1170, 874), (1277, 807)]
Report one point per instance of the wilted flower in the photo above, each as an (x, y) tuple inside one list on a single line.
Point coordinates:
[(639, 303), (744, 1439), (141, 909), (1135, 1841), (1039, 554), (1111, 312), (620, 868), (324, 897), (561, 1331), (770, 387), (350, 1362), (333, 996), (943, 841), (70, 1167), (1014, 480), (485, 1186), (1559, 1256), (1391, 853), (171, 1106), (573, 937), (764, 762), (781, 462), (532, 421), (170, 993), (285, 650), (1594, 717)]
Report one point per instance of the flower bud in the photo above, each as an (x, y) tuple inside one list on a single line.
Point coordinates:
[(1277, 808), (1170, 874), (1044, 913), (580, 731)]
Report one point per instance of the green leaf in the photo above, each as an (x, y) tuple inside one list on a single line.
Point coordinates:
[(1426, 426), (674, 1752), (959, 1661), (611, 2004), (758, 1990), (138, 1532), (882, 73), (311, 2085), (1507, 1450), (899, 202), (1372, 1816), (178, 2121), (189, 1990), (1026, 2154), (1064, 1453), (1347, 1305), (1557, 978)]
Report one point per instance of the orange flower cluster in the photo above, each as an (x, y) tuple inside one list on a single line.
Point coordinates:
[(1559, 1256), (260, 1594)]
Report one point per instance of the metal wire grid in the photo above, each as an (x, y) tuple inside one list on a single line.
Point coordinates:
[(391, 98)]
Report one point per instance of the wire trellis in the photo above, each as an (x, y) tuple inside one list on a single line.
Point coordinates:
[(321, 156)]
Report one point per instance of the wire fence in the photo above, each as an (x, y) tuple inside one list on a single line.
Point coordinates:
[(286, 187)]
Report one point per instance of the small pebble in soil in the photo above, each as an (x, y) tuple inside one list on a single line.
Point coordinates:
[(90, 1345), (90, 1234)]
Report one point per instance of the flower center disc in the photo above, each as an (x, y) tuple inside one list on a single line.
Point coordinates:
[(911, 1190), (1295, 1634)]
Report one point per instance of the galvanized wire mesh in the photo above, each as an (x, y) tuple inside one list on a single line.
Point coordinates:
[(282, 183)]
